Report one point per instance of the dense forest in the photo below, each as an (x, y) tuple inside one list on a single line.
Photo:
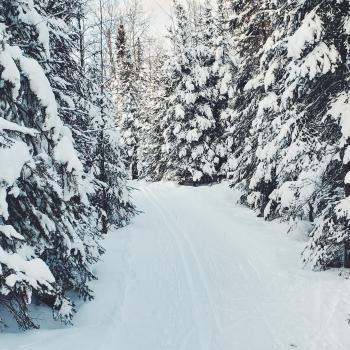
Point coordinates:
[(62, 174), (255, 93)]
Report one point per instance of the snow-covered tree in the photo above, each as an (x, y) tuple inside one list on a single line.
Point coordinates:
[(108, 165), (48, 241), (107, 156), (249, 28), (49, 230), (224, 69), (328, 101), (193, 129), (292, 157), (150, 155), (288, 158), (127, 95)]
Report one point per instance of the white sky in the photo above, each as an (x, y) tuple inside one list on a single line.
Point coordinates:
[(160, 12)]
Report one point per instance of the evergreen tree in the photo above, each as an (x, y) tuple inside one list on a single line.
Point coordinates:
[(250, 28), (193, 126), (49, 227), (329, 101), (177, 70), (150, 154), (289, 164), (107, 160), (291, 153), (50, 241), (224, 70), (127, 95), (108, 165)]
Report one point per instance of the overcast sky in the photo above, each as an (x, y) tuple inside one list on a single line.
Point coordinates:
[(160, 12)]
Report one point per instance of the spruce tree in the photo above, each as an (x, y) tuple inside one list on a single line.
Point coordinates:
[(193, 126), (224, 71), (289, 113), (250, 27), (44, 207), (289, 150), (127, 96), (49, 225), (150, 151), (329, 101)]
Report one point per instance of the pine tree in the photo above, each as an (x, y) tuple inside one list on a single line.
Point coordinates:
[(108, 163), (49, 229), (44, 207), (289, 161), (193, 129), (224, 70), (150, 154), (127, 95), (250, 26), (177, 71), (329, 244), (290, 152)]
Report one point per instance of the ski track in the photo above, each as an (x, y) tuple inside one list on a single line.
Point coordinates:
[(202, 315), (196, 272)]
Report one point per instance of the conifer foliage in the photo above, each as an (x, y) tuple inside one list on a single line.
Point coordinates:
[(192, 134), (287, 167), (258, 92), (129, 89), (49, 229)]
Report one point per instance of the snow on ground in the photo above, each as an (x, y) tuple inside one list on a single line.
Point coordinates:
[(195, 272)]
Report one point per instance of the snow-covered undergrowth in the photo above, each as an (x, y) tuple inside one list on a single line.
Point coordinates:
[(196, 272)]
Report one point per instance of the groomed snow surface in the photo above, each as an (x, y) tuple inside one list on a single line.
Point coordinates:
[(196, 272)]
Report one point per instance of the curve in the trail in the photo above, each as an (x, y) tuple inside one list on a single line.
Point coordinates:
[(196, 272)]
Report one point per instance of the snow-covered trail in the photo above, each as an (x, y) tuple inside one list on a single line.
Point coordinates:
[(195, 272)]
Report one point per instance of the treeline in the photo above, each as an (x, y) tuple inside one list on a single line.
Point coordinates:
[(256, 92), (62, 171)]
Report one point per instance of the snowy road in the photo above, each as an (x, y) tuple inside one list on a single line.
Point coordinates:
[(195, 272)]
